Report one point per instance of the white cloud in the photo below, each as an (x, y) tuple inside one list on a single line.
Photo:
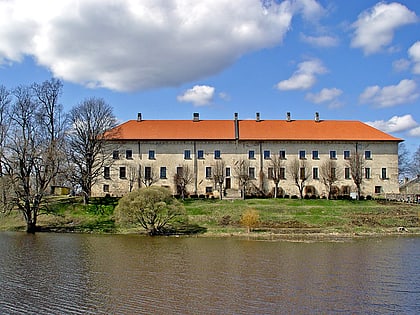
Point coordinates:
[(395, 124), (325, 95), (401, 65), (304, 77), (133, 45), (374, 28), (414, 53), (415, 132), (310, 9), (388, 96), (320, 41), (199, 95)]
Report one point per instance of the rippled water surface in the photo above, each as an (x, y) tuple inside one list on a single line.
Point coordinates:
[(109, 274)]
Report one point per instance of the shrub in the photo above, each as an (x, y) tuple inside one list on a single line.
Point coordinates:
[(250, 219)]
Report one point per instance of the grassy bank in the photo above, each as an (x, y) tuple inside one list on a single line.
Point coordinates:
[(282, 217)]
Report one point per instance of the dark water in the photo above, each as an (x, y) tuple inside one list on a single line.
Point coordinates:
[(91, 274)]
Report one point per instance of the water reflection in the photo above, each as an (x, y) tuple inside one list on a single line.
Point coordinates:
[(82, 274)]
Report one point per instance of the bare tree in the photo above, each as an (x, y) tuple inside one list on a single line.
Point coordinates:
[(219, 176), (276, 172), (132, 174), (5, 101), (415, 163), (183, 177), (242, 173), (150, 176), (92, 123), (329, 175), (404, 164), (356, 163), (300, 173)]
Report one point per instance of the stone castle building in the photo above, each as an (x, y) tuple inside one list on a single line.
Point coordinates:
[(226, 155)]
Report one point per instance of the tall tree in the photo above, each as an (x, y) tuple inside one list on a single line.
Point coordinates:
[(357, 163), (5, 101), (219, 176), (242, 173), (415, 163), (404, 165), (276, 172), (92, 122), (329, 175), (183, 177), (300, 173)]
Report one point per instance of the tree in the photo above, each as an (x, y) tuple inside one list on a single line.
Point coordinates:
[(276, 172), (415, 163), (92, 122), (300, 173), (182, 179), (356, 163), (219, 176), (153, 208), (149, 176), (242, 173), (404, 164), (250, 219), (328, 172)]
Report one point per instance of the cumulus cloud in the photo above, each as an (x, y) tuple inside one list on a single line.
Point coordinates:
[(401, 65), (304, 77), (395, 123), (374, 28), (320, 41), (388, 96), (199, 95), (414, 53), (415, 132), (132, 45), (325, 95)]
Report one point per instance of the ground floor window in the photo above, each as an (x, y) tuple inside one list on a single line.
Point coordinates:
[(106, 188), (378, 189)]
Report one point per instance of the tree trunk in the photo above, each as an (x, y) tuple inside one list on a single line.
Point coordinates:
[(31, 227)]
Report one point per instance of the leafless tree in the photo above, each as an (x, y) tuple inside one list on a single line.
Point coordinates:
[(404, 163), (276, 172), (329, 174), (219, 176), (149, 176), (183, 177), (5, 101), (242, 173), (356, 163), (415, 163), (300, 173), (92, 122)]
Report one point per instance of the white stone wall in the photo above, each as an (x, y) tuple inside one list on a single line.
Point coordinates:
[(170, 154)]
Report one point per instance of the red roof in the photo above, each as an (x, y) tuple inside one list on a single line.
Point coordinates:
[(298, 130)]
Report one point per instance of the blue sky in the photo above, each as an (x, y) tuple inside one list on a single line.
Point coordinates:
[(347, 60)]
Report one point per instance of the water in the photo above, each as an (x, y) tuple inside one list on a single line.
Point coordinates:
[(111, 274)]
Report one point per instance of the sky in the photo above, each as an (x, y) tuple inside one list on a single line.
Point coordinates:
[(347, 60)]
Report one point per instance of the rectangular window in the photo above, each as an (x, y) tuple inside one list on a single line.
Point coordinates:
[(302, 173), (187, 154), (346, 154), (227, 171), (302, 154), (315, 173), (208, 171), (147, 172), (129, 154), (115, 154), (251, 172), (163, 172), (122, 172), (266, 154), (315, 155), (151, 154), (282, 154), (107, 172), (347, 173), (106, 188), (251, 154), (209, 190), (383, 173), (378, 189), (367, 172), (179, 170), (333, 154), (270, 172), (217, 154), (368, 155), (282, 173), (200, 154)]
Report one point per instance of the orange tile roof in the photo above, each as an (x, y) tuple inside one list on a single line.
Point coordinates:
[(339, 130)]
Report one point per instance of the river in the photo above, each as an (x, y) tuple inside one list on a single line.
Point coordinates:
[(50, 273)]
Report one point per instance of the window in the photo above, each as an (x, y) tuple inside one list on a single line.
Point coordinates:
[(217, 154), (106, 188), (209, 190), (227, 171), (200, 154), (368, 155), (251, 154), (107, 172), (315, 155), (367, 172), (346, 154), (378, 189), (383, 173), (208, 171), (179, 170), (302, 173), (122, 172), (282, 154), (270, 174), (129, 154), (282, 173), (115, 154), (347, 173), (187, 154), (302, 154), (163, 172), (266, 154), (147, 172), (333, 154), (151, 154), (315, 173), (251, 172)]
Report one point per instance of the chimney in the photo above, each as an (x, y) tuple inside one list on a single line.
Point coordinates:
[(257, 116), (236, 126), (196, 117), (139, 117), (316, 117), (288, 116)]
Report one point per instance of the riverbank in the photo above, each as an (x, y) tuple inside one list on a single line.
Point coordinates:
[(278, 218)]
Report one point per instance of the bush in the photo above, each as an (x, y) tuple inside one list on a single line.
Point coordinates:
[(250, 219)]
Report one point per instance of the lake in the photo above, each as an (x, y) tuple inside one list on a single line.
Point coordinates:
[(50, 273)]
